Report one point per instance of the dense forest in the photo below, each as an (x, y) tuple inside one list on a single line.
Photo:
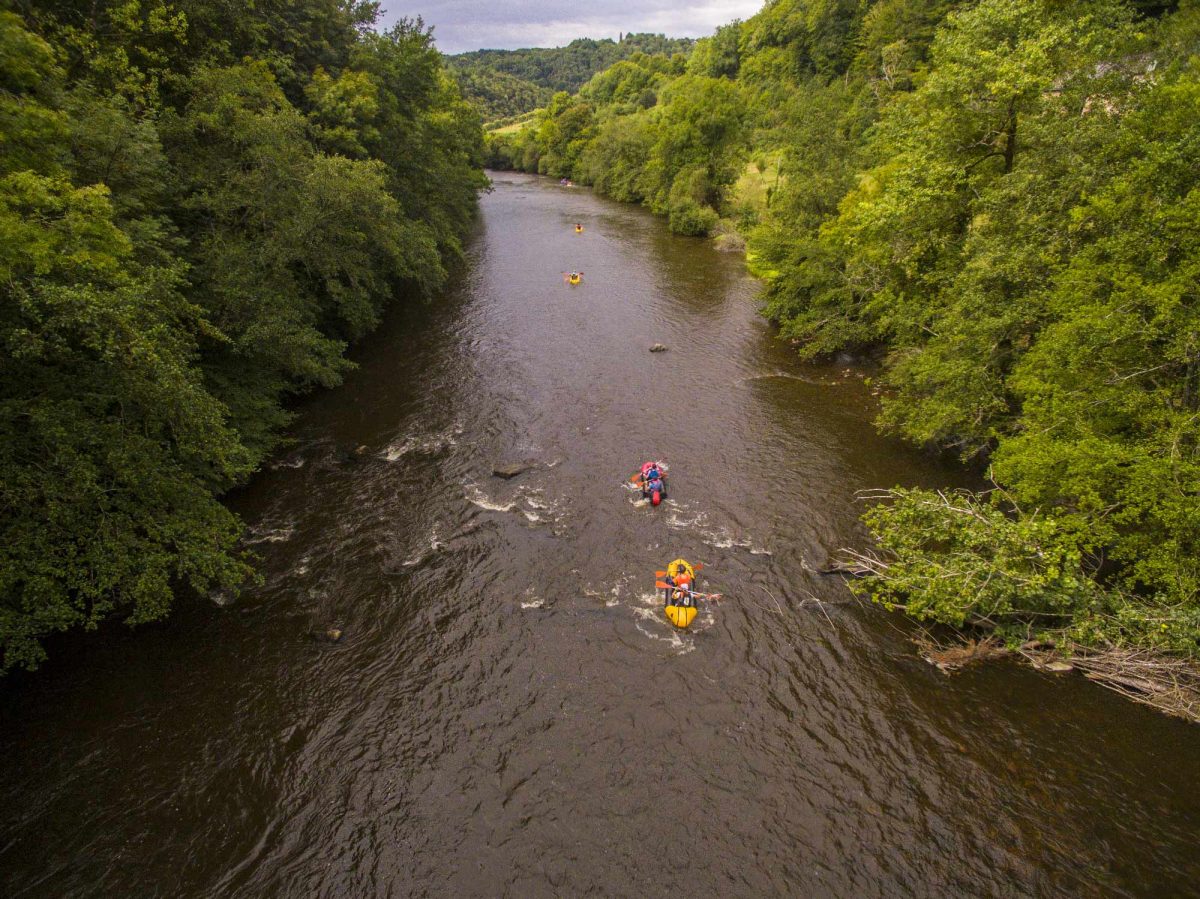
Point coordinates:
[(999, 200), (507, 83), (201, 205)]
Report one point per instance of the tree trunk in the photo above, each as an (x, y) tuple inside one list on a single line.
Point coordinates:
[(1010, 136)]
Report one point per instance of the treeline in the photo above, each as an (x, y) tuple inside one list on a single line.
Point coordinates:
[(507, 83), (499, 95), (201, 205), (1001, 200)]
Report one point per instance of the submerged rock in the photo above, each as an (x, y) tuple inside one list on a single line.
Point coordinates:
[(511, 470), (658, 348)]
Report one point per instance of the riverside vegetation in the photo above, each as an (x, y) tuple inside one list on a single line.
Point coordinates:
[(201, 205), (1000, 200)]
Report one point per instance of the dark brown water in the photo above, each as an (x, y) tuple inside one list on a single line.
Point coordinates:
[(509, 714)]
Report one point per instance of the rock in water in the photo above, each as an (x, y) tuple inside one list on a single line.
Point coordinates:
[(658, 348), (510, 471)]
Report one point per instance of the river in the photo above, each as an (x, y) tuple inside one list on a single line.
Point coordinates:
[(508, 712)]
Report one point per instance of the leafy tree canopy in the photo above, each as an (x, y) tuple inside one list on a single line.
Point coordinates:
[(200, 206)]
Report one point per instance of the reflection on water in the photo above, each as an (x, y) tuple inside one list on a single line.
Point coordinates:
[(508, 712)]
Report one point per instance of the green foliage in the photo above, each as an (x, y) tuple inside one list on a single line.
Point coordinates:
[(718, 56), (193, 224), (970, 559), (959, 559), (1017, 232), (563, 132), (506, 83), (642, 132), (499, 95)]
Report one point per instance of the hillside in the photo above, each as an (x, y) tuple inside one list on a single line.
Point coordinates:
[(507, 83)]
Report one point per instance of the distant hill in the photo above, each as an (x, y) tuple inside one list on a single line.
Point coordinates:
[(506, 83)]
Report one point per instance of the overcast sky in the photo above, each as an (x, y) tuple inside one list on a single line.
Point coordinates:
[(508, 24)]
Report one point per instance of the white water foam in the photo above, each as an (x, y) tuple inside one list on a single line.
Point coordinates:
[(653, 624), (435, 546), (424, 444), (656, 627), (270, 535), (716, 536), (476, 497)]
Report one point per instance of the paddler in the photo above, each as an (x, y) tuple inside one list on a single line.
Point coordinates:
[(653, 482), (679, 597)]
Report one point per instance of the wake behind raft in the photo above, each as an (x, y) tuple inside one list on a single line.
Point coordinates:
[(678, 584)]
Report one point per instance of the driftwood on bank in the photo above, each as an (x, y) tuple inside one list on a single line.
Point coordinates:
[(1167, 683), (849, 569)]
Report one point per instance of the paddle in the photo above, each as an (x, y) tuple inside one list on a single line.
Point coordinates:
[(663, 586)]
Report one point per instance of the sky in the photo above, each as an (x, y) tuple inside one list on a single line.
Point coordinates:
[(508, 24)]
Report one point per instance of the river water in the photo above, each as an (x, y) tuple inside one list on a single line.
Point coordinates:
[(508, 712)]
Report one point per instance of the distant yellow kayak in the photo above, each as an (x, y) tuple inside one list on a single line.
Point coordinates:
[(579, 229)]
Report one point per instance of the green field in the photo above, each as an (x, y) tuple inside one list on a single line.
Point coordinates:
[(511, 127)]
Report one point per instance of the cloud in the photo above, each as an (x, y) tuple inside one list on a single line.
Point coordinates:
[(473, 24)]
